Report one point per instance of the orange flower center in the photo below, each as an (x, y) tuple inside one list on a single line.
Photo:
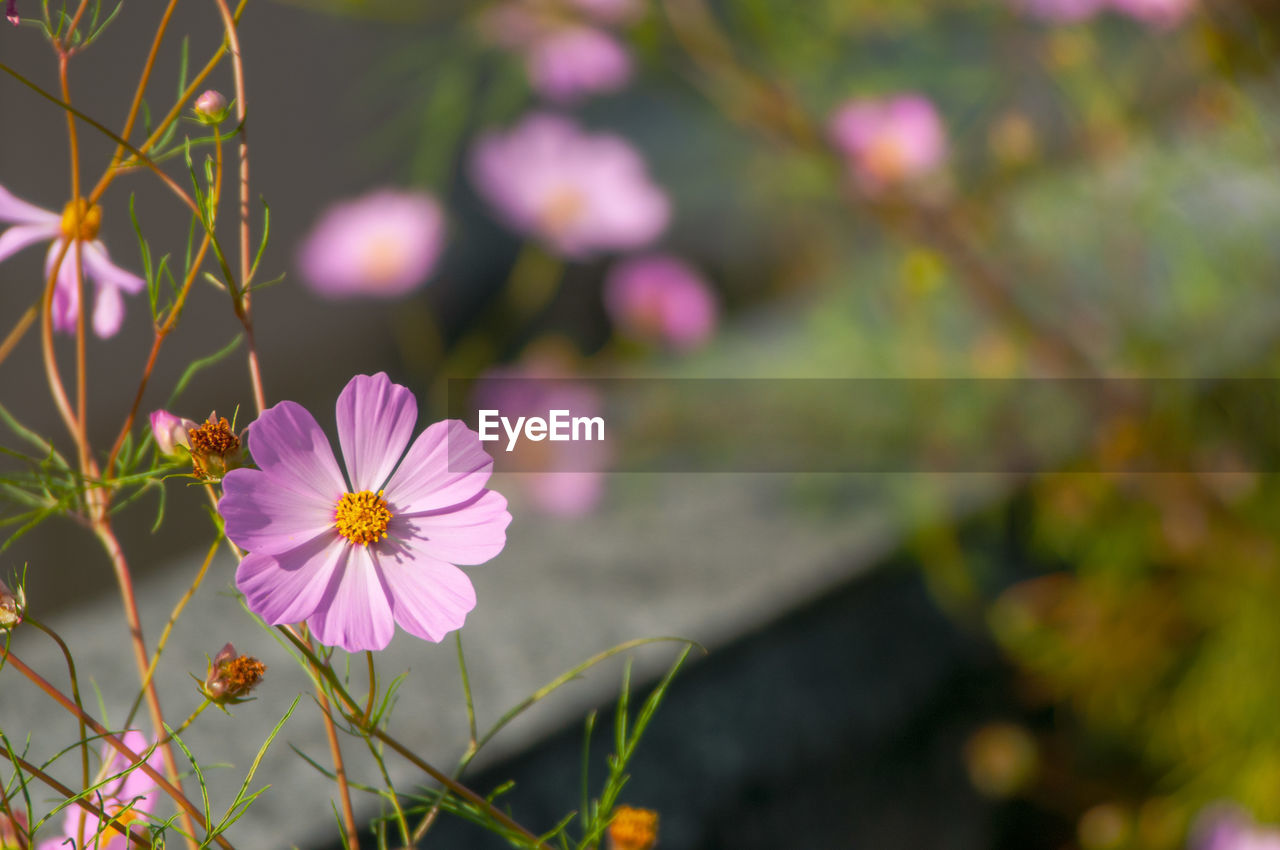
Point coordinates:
[(633, 829), (563, 207), (81, 221), (362, 517)]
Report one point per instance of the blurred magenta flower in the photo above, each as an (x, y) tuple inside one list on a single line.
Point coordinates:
[(78, 222), (171, 431), (579, 193), (1228, 827), (11, 12), (1160, 14), (353, 559), (381, 245), (660, 298), (128, 800), (889, 142), (566, 58), (561, 479), (572, 62)]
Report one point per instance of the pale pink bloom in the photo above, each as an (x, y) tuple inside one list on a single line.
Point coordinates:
[(355, 556), (170, 431), (129, 800), (1061, 11), (211, 107), (562, 479), (578, 192), (660, 298), (891, 141), (1228, 827), (572, 62), (383, 245), (31, 224), (1162, 14)]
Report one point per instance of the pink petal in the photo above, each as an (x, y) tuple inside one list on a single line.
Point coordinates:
[(19, 211), (264, 518), (466, 534), (429, 598), (108, 312), (99, 266), (445, 466), (137, 783), (20, 236), (66, 294), (288, 587), (375, 422), (355, 613), (288, 445)]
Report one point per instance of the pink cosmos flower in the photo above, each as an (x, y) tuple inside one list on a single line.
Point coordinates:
[(572, 62), (78, 222), (384, 245), (578, 192), (890, 142), (128, 800), (354, 556), (661, 298)]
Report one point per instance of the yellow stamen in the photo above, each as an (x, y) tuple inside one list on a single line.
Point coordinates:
[(362, 517), (81, 221)]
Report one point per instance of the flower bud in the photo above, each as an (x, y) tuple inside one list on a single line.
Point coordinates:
[(633, 829), (11, 12), (170, 432), (12, 606), (231, 677), (211, 108), (214, 448)]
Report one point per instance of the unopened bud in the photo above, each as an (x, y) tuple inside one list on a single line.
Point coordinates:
[(231, 677), (170, 432), (12, 606), (214, 447), (211, 108), (11, 12), (633, 829)]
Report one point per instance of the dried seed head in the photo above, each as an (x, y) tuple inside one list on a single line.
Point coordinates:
[(231, 677)]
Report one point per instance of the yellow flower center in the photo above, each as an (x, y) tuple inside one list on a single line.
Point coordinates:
[(563, 207), (81, 221), (362, 517)]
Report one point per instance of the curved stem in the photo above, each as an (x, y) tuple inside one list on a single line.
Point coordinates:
[(116, 744)]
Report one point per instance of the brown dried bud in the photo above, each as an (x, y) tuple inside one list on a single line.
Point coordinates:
[(231, 677), (633, 829), (215, 448)]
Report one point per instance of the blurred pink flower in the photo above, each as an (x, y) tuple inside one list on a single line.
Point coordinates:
[(1225, 826), (561, 479), (128, 800), (1061, 11), (11, 12), (78, 222), (660, 298), (1161, 14), (381, 245), (353, 560), (891, 141), (566, 57), (579, 193), (574, 61)]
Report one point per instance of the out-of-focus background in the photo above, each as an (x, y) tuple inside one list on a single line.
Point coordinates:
[(1054, 652)]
